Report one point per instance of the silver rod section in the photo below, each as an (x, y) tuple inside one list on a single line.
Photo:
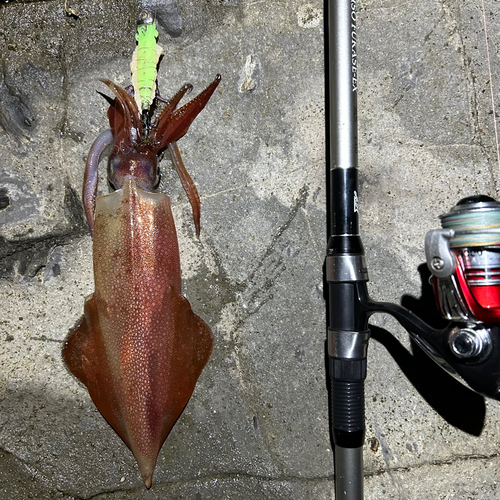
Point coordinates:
[(343, 83), (348, 473), (342, 96)]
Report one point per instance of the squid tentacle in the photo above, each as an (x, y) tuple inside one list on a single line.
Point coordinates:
[(91, 177)]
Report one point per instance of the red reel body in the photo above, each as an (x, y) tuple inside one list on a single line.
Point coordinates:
[(475, 284), (464, 259)]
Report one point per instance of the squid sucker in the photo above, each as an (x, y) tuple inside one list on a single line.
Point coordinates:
[(139, 348)]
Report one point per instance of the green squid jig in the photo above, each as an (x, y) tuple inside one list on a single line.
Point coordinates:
[(145, 61)]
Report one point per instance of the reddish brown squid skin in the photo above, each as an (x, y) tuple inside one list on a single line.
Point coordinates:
[(139, 348)]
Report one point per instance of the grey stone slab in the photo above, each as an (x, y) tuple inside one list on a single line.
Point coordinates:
[(257, 424)]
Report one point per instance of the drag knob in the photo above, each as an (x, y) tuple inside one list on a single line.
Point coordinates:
[(466, 343)]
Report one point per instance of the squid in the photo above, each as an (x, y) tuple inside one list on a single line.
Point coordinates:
[(139, 348)]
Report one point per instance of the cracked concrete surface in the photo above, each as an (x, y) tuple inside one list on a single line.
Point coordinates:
[(257, 424)]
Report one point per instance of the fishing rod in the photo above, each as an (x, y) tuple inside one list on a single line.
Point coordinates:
[(463, 257)]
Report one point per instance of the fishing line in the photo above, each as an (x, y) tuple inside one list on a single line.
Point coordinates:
[(475, 226), (491, 80)]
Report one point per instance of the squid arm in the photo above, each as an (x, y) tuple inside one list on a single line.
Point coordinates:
[(172, 103), (187, 184), (126, 128), (171, 127), (91, 177), (123, 117)]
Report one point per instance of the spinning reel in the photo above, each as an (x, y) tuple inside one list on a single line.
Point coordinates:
[(464, 259)]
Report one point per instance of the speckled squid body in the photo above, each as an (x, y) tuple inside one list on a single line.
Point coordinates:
[(139, 348)]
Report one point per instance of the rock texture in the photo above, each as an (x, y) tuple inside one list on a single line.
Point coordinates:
[(257, 425)]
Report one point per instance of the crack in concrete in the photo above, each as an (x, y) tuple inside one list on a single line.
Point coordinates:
[(43, 338), (25, 258), (200, 481), (300, 202), (291, 478), (36, 476), (244, 476), (435, 463), (410, 70), (265, 283)]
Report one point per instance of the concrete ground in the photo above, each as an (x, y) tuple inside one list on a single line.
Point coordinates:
[(257, 425)]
